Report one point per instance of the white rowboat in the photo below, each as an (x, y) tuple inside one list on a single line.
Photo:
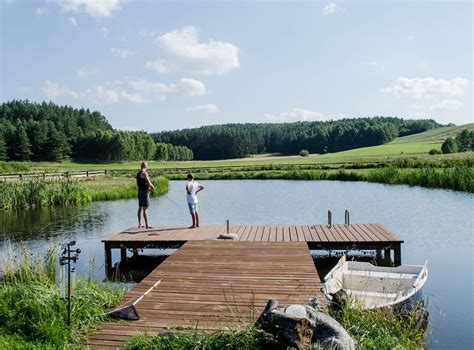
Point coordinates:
[(374, 287)]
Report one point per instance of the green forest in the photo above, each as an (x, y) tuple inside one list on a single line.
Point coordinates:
[(48, 132), (241, 140)]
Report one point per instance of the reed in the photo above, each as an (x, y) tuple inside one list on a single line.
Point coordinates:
[(380, 328), (459, 177), (39, 192), (32, 314)]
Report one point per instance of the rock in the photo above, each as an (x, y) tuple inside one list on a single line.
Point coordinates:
[(300, 326)]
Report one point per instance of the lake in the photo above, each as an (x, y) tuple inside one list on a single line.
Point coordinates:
[(436, 225)]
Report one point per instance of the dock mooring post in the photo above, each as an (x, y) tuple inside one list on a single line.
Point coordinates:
[(108, 260), (397, 255), (123, 254)]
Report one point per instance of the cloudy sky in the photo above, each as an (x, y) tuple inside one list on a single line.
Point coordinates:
[(160, 65)]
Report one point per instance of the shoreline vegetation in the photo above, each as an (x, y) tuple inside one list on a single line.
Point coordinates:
[(40, 320), (32, 314), (39, 192)]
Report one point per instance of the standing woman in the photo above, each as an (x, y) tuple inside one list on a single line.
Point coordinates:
[(144, 185)]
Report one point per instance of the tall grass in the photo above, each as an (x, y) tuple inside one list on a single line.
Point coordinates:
[(32, 314), (380, 328), (39, 192), (198, 340), (459, 177), (371, 329)]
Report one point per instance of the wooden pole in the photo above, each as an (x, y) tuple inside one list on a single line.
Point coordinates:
[(108, 260), (397, 255), (123, 254)]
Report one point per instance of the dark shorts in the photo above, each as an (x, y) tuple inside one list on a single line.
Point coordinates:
[(143, 199)]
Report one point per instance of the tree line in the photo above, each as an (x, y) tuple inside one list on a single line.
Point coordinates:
[(241, 140), (48, 132), (463, 142)]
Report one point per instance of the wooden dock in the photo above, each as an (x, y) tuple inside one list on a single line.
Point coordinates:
[(211, 284), (317, 237)]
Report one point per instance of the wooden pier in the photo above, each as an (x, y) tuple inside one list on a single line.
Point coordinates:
[(318, 237), (210, 284)]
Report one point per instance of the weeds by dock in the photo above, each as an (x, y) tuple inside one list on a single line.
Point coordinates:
[(32, 314)]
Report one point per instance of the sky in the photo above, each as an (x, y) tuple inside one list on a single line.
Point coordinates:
[(164, 65)]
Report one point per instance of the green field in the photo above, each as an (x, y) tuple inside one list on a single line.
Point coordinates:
[(414, 145)]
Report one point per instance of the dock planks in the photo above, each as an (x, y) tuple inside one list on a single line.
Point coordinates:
[(372, 235), (212, 284)]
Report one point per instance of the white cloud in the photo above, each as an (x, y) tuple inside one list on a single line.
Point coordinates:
[(185, 87), (141, 91), (122, 53), (427, 88), (329, 8), (209, 108), (134, 97), (72, 20), (296, 114), (180, 50), (94, 8), (41, 11), (105, 32), (84, 72)]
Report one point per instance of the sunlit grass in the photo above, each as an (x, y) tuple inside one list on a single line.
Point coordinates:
[(32, 314)]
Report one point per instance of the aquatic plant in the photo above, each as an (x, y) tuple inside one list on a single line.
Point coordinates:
[(39, 192), (381, 328)]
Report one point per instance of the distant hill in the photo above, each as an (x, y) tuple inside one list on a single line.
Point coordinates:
[(230, 141), (416, 144)]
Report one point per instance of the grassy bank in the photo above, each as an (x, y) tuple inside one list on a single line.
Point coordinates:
[(459, 177), (32, 314), (379, 329), (38, 192)]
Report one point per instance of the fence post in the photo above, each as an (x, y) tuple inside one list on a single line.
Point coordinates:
[(87, 173)]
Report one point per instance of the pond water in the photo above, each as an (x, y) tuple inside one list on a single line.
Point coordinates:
[(436, 225)]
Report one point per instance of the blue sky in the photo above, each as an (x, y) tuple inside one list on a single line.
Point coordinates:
[(161, 65)]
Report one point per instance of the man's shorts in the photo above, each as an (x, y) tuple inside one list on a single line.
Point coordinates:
[(193, 208), (143, 199)]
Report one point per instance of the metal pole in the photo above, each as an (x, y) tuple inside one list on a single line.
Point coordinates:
[(346, 218), (329, 218), (227, 226), (68, 284)]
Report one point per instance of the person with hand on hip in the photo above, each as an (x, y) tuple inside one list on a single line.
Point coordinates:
[(192, 189), (144, 185)]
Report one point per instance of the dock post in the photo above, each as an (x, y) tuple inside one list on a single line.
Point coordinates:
[(123, 254), (397, 255), (108, 260)]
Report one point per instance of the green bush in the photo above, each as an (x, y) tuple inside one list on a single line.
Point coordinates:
[(434, 151), (304, 153), (450, 145)]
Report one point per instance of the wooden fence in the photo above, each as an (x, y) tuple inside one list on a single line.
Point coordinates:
[(68, 174)]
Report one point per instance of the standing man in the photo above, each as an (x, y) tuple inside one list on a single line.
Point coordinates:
[(192, 188), (144, 184)]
